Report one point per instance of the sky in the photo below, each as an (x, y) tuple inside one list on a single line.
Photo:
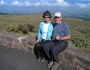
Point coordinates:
[(61, 3), (38, 6)]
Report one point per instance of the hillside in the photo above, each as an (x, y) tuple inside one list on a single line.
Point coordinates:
[(79, 28)]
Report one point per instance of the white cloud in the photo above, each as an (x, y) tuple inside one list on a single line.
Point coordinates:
[(83, 5), (62, 3), (41, 4), (27, 3), (17, 3), (35, 4), (2, 2), (46, 4)]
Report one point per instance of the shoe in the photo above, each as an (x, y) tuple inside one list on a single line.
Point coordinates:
[(43, 60), (50, 64), (55, 66), (39, 59)]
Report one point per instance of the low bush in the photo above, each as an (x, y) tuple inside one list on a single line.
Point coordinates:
[(21, 28)]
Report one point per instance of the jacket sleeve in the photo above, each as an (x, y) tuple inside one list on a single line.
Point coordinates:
[(39, 32), (50, 31)]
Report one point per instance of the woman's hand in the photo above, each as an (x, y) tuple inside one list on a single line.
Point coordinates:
[(36, 41)]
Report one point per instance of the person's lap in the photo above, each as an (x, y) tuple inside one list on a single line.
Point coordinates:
[(47, 47), (59, 46), (38, 50)]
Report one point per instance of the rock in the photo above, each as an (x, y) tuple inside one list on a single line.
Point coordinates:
[(71, 59), (74, 59), (16, 41)]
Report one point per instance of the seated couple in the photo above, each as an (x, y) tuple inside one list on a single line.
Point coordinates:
[(52, 39)]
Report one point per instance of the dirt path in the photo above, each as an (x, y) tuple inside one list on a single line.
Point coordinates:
[(14, 59)]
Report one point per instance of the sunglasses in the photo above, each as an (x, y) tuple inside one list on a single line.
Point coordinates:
[(46, 17), (56, 17)]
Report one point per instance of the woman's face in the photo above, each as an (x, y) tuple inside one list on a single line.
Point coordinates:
[(46, 18)]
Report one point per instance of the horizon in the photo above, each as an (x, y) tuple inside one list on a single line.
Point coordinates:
[(67, 7)]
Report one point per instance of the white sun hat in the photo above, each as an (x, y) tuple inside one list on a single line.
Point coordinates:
[(57, 14)]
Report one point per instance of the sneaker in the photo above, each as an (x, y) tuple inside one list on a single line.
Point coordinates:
[(42, 60), (55, 66), (50, 64), (39, 59)]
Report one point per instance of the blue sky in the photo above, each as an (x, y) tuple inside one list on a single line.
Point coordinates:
[(38, 6)]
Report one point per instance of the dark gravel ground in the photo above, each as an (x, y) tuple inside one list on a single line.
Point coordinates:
[(14, 59)]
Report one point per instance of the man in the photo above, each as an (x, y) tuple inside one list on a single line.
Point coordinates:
[(61, 35), (44, 35)]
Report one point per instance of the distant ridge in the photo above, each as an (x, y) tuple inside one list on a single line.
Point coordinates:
[(68, 15), (3, 13)]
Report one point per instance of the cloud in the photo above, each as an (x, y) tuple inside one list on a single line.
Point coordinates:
[(35, 4), (46, 4), (59, 3), (83, 5), (2, 2), (17, 3), (62, 3), (27, 3), (41, 4)]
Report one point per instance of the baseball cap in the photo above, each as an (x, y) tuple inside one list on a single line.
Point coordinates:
[(57, 14)]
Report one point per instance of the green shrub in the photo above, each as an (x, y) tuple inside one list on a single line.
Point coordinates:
[(21, 28), (12, 28), (80, 40)]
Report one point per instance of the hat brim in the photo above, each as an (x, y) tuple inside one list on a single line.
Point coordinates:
[(57, 17)]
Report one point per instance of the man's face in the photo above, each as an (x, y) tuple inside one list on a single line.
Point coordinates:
[(57, 19), (46, 18)]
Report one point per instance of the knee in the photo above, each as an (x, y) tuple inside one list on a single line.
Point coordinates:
[(36, 48), (44, 48), (54, 52)]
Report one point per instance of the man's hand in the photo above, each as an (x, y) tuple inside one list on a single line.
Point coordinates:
[(57, 38)]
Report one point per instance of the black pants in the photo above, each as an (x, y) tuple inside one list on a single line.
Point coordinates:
[(53, 48), (38, 50)]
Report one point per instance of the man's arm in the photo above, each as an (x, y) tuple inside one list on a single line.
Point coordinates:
[(63, 38), (66, 37)]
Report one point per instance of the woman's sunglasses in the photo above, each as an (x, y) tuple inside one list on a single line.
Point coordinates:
[(46, 17)]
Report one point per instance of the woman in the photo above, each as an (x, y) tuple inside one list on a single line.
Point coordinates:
[(44, 35)]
